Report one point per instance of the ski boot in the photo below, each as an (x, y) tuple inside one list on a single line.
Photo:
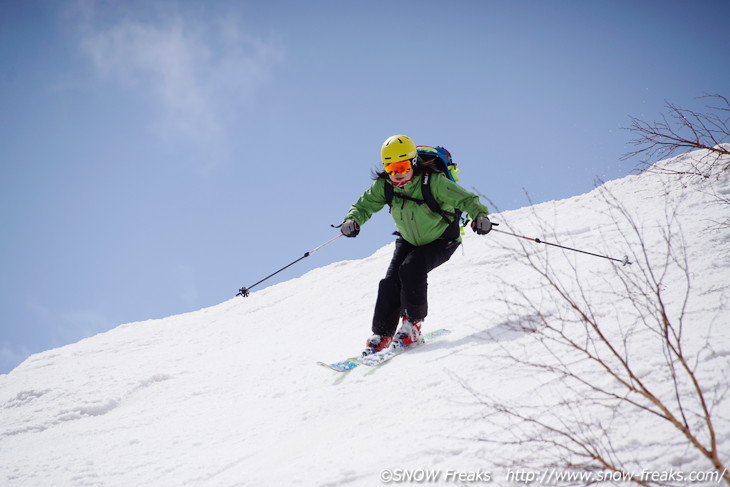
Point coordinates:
[(377, 343), (409, 331)]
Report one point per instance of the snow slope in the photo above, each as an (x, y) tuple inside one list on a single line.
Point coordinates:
[(231, 395)]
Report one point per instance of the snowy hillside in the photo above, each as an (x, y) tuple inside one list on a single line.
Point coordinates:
[(231, 395)]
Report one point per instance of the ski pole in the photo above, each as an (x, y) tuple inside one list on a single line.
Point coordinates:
[(624, 261), (244, 291)]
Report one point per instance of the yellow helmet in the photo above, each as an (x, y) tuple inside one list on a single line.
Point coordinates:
[(398, 148)]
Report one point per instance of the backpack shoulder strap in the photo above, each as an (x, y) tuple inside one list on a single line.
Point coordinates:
[(390, 193), (449, 217), (428, 195), (428, 198), (388, 188)]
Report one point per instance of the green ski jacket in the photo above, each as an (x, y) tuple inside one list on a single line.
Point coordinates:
[(416, 223)]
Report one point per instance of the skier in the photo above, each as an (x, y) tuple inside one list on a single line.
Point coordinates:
[(425, 239)]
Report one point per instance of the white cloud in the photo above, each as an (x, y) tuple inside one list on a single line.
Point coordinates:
[(197, 77)]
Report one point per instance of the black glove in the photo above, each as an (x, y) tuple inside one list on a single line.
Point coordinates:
[(481, 225), (350, 229)]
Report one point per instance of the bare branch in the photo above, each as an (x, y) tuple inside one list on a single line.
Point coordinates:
[(685, 130), (600, 362)]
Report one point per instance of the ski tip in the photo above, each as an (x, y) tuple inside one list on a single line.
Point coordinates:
[(339, 366)]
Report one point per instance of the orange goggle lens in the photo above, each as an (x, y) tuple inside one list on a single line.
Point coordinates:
[(400, 167)]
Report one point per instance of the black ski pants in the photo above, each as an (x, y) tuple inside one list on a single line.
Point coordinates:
[(403, 289)]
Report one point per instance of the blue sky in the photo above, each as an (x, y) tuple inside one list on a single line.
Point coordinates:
[(157, 156)]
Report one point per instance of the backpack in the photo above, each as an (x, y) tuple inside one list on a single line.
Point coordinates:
[(443, 160), (446, 165)]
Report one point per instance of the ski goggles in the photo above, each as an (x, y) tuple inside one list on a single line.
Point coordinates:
[(400, 167)]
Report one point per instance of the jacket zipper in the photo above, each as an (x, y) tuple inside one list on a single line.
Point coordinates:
[(412, 230), (410, 222)]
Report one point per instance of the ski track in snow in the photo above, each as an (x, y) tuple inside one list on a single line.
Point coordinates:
[(231, 395)]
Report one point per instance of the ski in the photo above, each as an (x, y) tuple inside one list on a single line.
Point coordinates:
[(383, 356), (398, 348), (341, 366)]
